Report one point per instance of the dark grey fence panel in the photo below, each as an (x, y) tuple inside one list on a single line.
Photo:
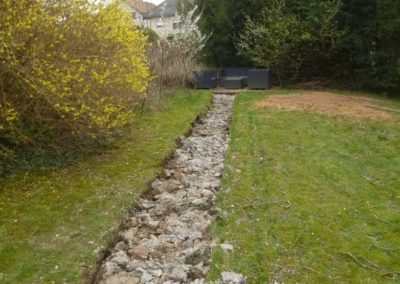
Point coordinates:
[(259, 79)]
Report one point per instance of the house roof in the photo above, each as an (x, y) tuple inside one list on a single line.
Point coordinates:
[(141, 6), (165, 9)]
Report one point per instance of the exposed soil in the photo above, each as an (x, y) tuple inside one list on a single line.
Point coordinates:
[(327, 104)]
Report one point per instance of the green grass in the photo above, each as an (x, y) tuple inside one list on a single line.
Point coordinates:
[(51, 223), (308, 196)]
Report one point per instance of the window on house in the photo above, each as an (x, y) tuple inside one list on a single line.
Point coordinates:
[(160, 23), (134, 15), (177, 24)]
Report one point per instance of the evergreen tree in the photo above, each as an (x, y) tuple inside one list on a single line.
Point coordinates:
[(224, 19), (370, 51)]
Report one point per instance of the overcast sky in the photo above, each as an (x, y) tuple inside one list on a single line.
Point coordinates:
[(155, 1), (151, 1)]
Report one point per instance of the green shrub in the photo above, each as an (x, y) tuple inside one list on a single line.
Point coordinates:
[(151, 35), (292, 44)]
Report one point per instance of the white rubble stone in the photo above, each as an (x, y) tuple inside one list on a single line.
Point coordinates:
[(232, 278), (207, 193), (226, 247), (120, 258), (179, 274), (146, 278), (110, 268), (156, 273)]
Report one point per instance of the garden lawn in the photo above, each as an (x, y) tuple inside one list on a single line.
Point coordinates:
[(52, 223), (310, 198)]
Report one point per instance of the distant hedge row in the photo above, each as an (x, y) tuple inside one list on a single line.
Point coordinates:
[(70, 72)]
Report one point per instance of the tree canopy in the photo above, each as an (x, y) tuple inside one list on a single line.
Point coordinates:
[(223, 20), (352, 42)]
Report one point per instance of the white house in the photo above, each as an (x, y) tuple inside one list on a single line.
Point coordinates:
[(138, 9), (163, 19)]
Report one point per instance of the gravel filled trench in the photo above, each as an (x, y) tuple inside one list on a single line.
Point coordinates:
[(167, 236)]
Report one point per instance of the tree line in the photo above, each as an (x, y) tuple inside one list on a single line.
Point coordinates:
[(351, 43)]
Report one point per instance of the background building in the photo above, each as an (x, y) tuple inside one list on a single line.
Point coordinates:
[(138, 9), (163, 19)]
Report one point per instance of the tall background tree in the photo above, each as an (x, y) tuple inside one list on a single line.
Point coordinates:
[(223, 20), (370, 52), (293, 39)]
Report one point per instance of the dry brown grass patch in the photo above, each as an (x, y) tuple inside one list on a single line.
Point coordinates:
[(327, 104)]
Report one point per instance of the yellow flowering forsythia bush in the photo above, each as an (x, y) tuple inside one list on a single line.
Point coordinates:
[(70, 70)]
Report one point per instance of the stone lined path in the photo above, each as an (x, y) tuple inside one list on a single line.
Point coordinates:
[(167, 239)]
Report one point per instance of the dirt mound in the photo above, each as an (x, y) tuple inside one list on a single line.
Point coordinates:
[(328, 104)]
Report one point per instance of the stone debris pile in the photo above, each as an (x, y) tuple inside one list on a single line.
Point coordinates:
[(166, 239)]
